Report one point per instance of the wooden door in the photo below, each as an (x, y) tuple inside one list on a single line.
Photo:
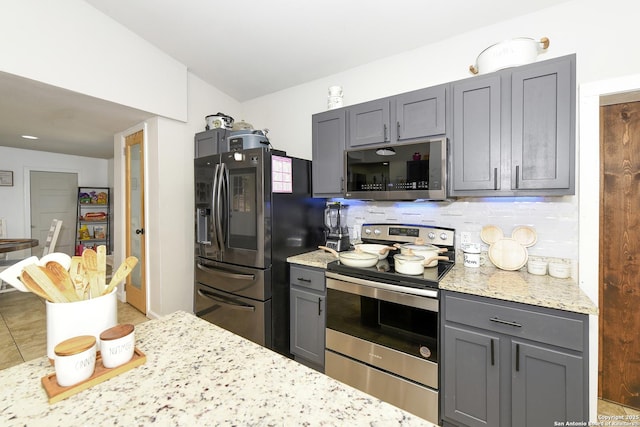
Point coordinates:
[(619, 356), (134, 222)]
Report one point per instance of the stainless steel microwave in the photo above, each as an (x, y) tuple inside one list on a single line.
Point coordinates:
[(417, 170)]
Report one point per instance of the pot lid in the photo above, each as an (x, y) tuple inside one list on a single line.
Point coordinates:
[(401, 257), (417, 247), (74, 345), (242, 125), (357, 255)]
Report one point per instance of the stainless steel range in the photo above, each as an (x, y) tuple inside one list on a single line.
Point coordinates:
[(382, 326)]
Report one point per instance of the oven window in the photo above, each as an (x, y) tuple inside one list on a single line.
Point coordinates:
[(407, 329), (396, 168)]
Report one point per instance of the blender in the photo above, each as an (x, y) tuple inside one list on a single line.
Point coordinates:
[(335, 218)]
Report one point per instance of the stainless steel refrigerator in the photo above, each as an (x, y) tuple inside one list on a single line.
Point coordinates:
[(253, 209)]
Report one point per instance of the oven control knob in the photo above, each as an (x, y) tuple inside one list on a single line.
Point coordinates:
[(431, 235), (377, 232), (443, 236), (367, 231)]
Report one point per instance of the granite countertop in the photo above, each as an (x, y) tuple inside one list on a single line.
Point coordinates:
[(317, 258), (519, 286), (196, 374), (490, 281)]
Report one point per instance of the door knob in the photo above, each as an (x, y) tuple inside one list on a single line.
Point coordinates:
[(140, 231)]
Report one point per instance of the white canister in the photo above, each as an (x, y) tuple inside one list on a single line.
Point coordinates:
[(537, 266), (334, 100), (75, 360), (473, 257), (117, 345), (335, 91), (70, 319), (559, 269)]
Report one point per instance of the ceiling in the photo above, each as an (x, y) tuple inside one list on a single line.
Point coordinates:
[(245, 48)]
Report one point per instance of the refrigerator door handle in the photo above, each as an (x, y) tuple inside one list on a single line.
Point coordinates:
[(224, 301), (215, 209), (227, 275), (223, 188)]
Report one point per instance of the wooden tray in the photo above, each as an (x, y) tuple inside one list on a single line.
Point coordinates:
[(57, 393)]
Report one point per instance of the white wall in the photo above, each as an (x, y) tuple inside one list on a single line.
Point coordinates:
[(603, 35), (14, 201), (169, 194), (70, 44)]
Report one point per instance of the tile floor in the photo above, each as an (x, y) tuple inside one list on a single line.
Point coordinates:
[(23, 333)]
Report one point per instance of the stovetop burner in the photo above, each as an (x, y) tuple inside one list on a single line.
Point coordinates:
[(384, 271), (429, 279)]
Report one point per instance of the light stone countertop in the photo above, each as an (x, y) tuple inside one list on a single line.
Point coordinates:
[(196, 374), (519, 286), (490, 281), (317, 258)]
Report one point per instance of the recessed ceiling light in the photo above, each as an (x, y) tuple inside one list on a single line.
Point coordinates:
[(29, 137)]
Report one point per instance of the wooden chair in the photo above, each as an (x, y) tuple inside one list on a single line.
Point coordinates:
[(3, 234), (48, 247), (52, 237)]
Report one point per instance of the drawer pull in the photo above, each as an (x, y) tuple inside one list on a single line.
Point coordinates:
[(302, 279), (506, 322)]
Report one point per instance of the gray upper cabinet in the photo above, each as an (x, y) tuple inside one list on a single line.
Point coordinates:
[(212, 141), (420, 113), (511, 364), (542, 127), (405, 117), (369, 123), (513, 131), (328, 144), (476, 130)]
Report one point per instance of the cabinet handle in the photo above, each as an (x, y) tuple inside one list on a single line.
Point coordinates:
[(493, 361), (517, 176), (506, 322), (302, 279), (384, 133), (319, 306), (517, 357), (398, 125), (495, 178)]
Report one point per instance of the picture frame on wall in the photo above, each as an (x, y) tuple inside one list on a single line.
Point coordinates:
[(6, 178)]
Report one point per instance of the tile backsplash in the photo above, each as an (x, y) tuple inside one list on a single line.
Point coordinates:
[(555, 219)]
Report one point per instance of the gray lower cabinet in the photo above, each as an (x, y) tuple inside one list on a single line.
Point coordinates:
[(308, 319), (328, 144), (514, 131), (212, 141), (510, 364)]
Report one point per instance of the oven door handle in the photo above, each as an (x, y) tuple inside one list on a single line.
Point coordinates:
[(426, 299), (224, 301)]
